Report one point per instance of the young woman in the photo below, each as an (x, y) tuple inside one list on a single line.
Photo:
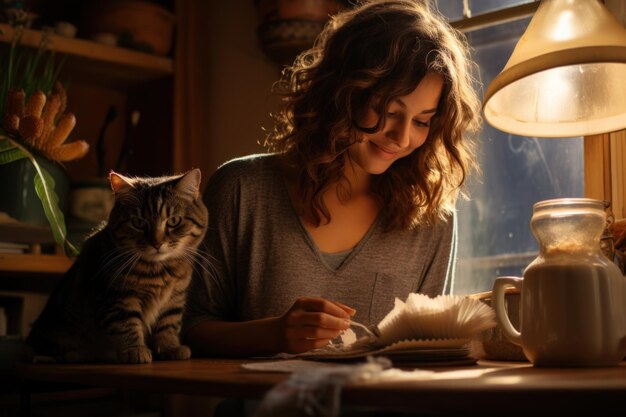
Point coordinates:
[(355, 204)]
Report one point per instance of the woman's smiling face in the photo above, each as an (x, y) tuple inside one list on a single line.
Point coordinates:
[(406, 127)]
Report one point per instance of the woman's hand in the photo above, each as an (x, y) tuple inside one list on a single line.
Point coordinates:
[(311, 323)]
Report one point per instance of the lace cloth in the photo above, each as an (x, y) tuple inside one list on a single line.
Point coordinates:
[(316, 391)]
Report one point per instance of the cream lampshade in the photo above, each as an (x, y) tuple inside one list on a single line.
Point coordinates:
[(566, 76)]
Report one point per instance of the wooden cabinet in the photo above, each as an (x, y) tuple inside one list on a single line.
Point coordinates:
[(98, 77)]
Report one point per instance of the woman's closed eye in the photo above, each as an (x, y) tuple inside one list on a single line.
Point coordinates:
[(416, 122), (419, 123)]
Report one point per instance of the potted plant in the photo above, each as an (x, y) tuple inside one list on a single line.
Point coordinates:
[(34, 125)]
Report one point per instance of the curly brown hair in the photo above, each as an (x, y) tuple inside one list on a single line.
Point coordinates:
[(368, 56)]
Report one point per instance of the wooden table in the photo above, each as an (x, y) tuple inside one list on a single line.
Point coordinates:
[(504, 388)]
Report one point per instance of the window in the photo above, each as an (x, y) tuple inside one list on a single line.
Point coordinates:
[(494, 225), (454, 9)]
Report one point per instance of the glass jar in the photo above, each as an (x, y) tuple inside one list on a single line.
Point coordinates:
[(567, 227)]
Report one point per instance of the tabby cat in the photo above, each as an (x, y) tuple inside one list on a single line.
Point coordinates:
[(123, 299)]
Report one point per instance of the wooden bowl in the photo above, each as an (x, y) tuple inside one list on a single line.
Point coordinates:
[(138, 24)]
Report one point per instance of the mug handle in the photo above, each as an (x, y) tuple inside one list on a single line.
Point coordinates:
[(501, 284)]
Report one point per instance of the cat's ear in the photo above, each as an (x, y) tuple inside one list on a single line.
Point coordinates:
[(119, 183), (188, 185)]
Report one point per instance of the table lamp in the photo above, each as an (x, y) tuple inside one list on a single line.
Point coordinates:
[(566, 76)]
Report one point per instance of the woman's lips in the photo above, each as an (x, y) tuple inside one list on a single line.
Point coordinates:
[(382, 152)]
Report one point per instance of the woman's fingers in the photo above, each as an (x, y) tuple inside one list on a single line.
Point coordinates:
[(322, 305), (312, 322), (345, 308), (313, 333), (325, 320)]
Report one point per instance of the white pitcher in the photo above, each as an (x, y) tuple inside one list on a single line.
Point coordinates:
[(573, 299)]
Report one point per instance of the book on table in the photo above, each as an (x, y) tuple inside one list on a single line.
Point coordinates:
[(419, 330)]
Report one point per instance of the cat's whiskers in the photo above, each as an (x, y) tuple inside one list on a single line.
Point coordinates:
[(190, 256), (131, 267), (116, 251), (196, 256), (119, 250), (136, 259), (112, 255), (203, 256), (128, 263), (117, 269), (112, 260)]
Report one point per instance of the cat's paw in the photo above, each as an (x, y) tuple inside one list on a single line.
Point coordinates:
[(179, 353), (135, 354)]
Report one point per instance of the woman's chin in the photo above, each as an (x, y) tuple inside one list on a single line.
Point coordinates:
[(378, 171), (376, 166)]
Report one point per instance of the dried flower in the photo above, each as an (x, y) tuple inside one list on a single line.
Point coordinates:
[(40, 128)]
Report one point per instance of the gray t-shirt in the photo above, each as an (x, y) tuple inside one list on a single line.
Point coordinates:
[(261, 258)]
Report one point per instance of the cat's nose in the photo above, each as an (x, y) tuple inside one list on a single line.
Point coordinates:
[(157, 245)]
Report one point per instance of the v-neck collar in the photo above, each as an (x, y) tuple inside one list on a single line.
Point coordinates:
[(320, 256), (311, 242)]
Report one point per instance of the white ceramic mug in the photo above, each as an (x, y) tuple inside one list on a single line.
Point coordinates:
[(569, 316)]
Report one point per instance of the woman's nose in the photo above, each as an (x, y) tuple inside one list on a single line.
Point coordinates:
[(400, 134)]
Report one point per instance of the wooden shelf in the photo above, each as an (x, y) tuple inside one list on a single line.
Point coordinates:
[(30, 263), (114, 65)]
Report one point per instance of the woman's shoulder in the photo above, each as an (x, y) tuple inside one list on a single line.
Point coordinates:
[(254, 163), (246, 168), (443, 224), (245, 182)]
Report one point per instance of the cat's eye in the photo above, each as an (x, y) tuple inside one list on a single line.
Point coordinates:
[(174, 221), (138, 223)]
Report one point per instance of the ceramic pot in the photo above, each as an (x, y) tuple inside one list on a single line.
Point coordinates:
[(138, 24), (19, 198)]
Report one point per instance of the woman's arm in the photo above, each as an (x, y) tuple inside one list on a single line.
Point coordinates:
[(439, 276), (224, 338), (309, 324)]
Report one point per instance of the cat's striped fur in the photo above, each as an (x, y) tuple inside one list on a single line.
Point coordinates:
[(123, 299)]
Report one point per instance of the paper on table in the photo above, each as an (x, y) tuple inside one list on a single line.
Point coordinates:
[(384, 375), (289, 365), (442, 317)]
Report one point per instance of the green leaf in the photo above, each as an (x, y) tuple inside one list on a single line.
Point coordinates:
[(44, 186), (8, 151), (10, 155), (5, 143)]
